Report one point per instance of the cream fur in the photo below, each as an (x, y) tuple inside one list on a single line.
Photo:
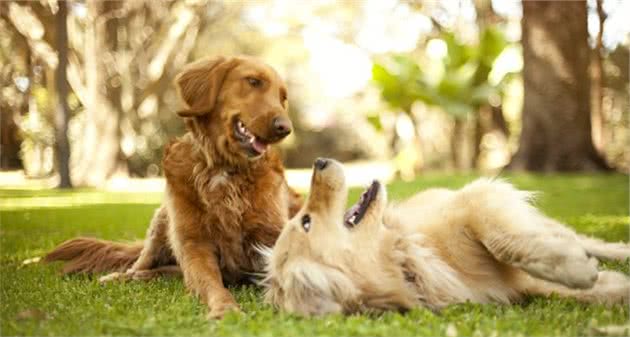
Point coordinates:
[(483, 243)]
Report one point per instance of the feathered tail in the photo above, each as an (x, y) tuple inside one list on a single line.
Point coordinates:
[(88, 255)]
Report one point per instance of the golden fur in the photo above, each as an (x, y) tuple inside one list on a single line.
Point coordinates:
[(226, 191), (483, 243)]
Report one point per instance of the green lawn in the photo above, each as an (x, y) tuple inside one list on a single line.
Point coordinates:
[(35, 300)]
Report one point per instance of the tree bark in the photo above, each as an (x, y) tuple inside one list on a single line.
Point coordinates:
[(62, 113), (597, 73), (495, 120), (556, 134), (101, 155), (461, 151), (10, 141)]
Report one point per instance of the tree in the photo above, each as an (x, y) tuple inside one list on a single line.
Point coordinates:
[(62, 112), (122, 78), (461, 90), (556, 134), (597, 84), (100, 152), (16, 61)]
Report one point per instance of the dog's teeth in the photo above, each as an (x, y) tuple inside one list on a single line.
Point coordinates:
[(352, 219)]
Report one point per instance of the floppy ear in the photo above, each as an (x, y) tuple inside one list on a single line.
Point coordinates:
[(311, 289), (199, 84)]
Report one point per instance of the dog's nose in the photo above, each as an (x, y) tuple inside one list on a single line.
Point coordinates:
[(321, 163), (281, 126)]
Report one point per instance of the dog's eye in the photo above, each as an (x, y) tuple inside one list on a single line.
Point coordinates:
[(254, 82), (306, 222)]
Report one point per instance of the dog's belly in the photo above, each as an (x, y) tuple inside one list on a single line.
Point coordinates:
[(483, 277)]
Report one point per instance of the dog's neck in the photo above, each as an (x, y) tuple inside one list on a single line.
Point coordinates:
[(216, 156)]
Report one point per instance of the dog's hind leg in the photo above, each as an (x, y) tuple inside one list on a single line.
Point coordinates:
[(516, 233), (147, 274), (611, 288), (155, 252), (552, 258), (595, 247), (605, 250)]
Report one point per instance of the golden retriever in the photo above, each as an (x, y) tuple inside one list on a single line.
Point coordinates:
[(226, 191), (484, 243)]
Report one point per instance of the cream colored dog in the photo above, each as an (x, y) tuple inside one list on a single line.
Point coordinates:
[(484, 243)]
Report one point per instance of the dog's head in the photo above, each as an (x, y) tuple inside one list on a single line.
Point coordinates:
[(240, 103), (329, 260)]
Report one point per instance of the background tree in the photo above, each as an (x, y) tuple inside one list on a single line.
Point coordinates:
[(597, 83), (121, 57), (556, 134), (441, 98), (14, 102), (62, 111), (461, 88), (100, 155)]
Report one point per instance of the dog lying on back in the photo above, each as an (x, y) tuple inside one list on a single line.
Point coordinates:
[(225, 192), (484, 243)]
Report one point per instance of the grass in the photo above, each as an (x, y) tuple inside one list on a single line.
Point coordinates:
[(35, 300)]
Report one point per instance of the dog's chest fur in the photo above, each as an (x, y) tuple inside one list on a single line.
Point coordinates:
[(236, 209), (241, 213)]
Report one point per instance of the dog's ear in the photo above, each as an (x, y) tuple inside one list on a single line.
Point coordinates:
[(311, 289), (199, 84)]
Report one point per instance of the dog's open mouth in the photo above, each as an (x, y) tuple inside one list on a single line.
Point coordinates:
[(252, 143), (355, 213)]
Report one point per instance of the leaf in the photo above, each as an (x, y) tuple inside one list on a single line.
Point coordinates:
[(457, 109), (491, 43), (481, 94), (375, 121)]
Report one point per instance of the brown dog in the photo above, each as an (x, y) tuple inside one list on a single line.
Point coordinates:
[(225, 193)]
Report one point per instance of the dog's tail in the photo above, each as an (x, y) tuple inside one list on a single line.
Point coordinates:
[(88, 255)]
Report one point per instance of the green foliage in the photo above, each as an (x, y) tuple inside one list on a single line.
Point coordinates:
[(35, 300), (462, 84)]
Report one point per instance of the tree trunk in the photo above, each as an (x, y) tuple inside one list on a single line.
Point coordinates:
[(556, 134), (461, 151), (10, 141), (597, 74), (101, 155), (62, 113)]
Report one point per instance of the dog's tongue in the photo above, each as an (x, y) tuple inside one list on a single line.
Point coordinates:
[(259, 146)]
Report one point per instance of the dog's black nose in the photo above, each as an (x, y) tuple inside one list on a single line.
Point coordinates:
[(321, 163), (281, 126)]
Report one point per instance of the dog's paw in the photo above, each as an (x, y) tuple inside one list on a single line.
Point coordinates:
[(611, 288), (616, 251), (562, 261), (116, 276), (221, 305), (219, 311), (142, 275), (579, 273)]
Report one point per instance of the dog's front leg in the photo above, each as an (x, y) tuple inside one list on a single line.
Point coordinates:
[(203, 277), (196, 254)]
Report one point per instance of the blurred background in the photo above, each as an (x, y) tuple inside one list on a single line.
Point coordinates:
[(395, 88)]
